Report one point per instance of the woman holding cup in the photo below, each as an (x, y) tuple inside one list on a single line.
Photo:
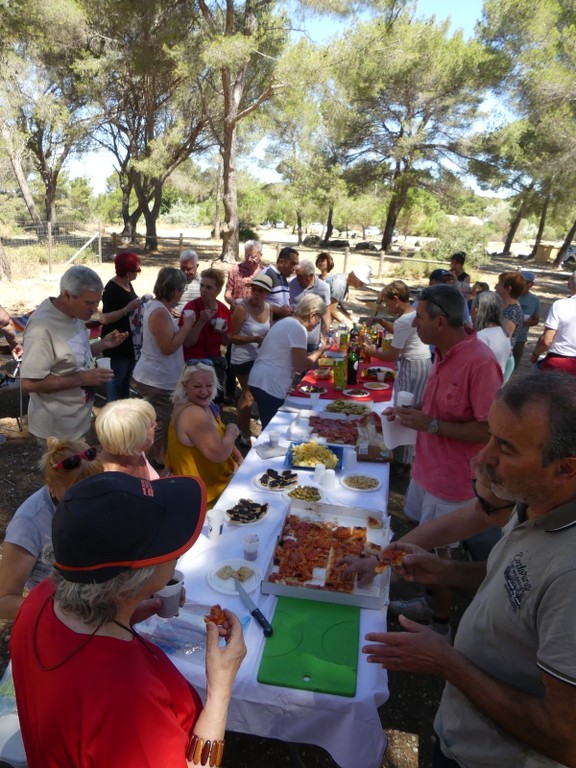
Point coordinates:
[(406, 349)]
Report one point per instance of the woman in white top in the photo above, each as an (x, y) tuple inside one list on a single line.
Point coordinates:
[(486, 312), (282, 354), (161, 360), (250, 324), (406, 349)]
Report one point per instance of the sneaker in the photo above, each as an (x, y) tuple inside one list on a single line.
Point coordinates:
[(442, 629), (419, 609)]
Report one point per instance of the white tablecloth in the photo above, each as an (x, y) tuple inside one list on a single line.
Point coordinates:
[(348, 728)]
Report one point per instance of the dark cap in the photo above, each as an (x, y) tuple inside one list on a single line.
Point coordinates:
[(112, 522), (441, 274)]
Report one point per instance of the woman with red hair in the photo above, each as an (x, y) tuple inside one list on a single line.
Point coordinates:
[(121, 310)]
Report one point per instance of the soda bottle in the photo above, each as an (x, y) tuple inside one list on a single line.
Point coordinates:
[(339, 375)]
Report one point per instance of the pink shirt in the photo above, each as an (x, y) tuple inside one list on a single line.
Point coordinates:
[(461, 387), (239, 279)]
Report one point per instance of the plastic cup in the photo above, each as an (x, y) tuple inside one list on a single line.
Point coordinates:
[(273, 439), (404, 399), (314, 399), (380, 375), (170, 596), (328, 479), (215, 521), (188, 313), (319, 470), (104, 362), (218, 323), (251, 542), (350, 460)]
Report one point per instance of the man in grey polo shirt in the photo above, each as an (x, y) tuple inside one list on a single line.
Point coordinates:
[(307, 282), (510, 695)]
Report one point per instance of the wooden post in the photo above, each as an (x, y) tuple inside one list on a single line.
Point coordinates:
[(100, 242), (381, 264), (346, 254), (49, 247), (114, 243), (181, 244)]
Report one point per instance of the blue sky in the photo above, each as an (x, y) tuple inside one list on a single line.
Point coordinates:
[(97, 166)]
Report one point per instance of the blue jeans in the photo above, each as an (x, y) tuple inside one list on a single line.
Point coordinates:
[(267, 405), (119, 387)]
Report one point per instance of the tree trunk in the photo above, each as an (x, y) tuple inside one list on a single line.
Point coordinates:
[(5, 268), (329, 226), (218, 208), (395, 206), (541, 224), (299, 225), (515, 223), (15, 156), (564, 247), (230, 197)]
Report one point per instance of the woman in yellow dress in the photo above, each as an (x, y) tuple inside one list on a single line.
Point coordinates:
[(199, 443)]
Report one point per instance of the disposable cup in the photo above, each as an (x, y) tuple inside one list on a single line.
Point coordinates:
[(170, 596), (215, 521), (328, 479), (380, 375), (350, 459), (274, 439), (218, 323), (404, 398), (251, 542), (188, 313), (314, 399), (104, 362), (319, 470)]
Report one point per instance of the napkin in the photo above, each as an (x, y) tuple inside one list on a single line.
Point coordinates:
[(266, 451)]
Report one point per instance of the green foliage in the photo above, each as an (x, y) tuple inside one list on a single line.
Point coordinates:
[(458, 236)]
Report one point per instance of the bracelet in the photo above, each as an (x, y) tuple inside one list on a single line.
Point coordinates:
[(202, 752)]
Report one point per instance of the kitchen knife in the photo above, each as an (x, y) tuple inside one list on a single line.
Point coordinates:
[(254, 611)]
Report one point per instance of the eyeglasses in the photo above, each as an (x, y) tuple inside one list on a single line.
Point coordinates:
[(203, 360), (71, 462), (427, 295)]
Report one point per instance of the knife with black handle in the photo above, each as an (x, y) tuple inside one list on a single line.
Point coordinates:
[(254, 611)]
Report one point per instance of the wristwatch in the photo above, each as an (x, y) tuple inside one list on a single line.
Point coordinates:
[(433, 427)]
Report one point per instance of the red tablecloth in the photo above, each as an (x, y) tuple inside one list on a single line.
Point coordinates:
[(376, 395)]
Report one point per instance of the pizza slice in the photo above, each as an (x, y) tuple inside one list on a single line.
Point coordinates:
[(394, 558), (216, 616)]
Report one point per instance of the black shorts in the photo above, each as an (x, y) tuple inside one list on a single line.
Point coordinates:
[(241, 369)]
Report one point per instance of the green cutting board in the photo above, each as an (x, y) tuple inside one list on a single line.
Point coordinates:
[(314, 647)]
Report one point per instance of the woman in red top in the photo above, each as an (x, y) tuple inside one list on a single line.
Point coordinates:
[(211, 331)]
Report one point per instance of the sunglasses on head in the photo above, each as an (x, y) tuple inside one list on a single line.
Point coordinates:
[(203, 360), (427, 295), (71, 462)]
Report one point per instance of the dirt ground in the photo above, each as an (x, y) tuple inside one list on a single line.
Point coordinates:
[(407, 716)]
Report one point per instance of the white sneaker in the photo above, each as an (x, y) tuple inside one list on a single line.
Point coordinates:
[(418, 609)]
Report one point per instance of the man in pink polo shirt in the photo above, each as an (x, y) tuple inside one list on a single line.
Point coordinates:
[(452, 425)]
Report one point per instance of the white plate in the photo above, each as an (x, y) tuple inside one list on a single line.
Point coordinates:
[(360, 474), (351, 393), (228, 586), (258, 484), (289, 498), (241, 523), (320, 390), (376, 385)]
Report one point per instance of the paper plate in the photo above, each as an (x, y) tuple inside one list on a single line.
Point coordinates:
[(245, 522), (355, 392), (360, 474), (258, 484), (228, 586), (376, 385), (312, 389)]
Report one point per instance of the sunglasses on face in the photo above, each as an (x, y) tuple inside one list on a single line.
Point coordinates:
[(426, 295), (203, 360), (71, 462)]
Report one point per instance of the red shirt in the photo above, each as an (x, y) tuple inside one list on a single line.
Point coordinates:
[(109, 704), (209, 341), (461, 387)]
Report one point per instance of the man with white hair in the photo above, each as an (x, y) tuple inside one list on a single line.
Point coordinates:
[(307, 282), (240, 275), (188, 265), (57, 368)]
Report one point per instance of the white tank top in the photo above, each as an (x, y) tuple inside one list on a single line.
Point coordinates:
[(243, 353), (154, 367)]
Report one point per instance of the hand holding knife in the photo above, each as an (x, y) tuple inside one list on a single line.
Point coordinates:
[(254, 611)]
